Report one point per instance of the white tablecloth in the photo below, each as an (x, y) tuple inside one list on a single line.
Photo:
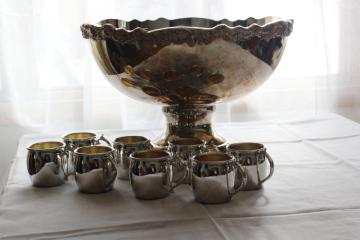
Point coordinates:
[(314, 194)]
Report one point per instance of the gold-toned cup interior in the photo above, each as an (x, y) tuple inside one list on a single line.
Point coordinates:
[(94, 150), (187, 141), (46, 145), (150, 154), (246, 146), (80, 135), (212, 157), (130, 139)]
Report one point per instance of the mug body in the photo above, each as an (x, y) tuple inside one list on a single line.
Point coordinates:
[(253, 157), (182, 150), (95, 169), (44, 164), (150, 174), (213, 177), (124, 146), (73, 141)]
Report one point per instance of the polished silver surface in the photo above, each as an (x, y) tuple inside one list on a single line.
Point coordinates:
[(79, 139), (151, 174), (213, 177), (45, 164), (188, 64), (95, 168), (193, 121), (124, 146), (253, 157), (182, 150)]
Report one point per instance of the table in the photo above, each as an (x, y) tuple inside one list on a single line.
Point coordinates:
[(314, 193)]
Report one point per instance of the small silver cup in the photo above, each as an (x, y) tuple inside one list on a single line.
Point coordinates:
[(79, 139), (151, 174), (95, 169), (252, 156), (182, 150), (45, 164), (213, 177), (124, 146)]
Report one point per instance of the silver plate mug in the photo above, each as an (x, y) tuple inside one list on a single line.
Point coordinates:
[(151, 174), (45, 164), (253, 157), (213, 177), (124, 146), (182, 150), (79, 139), (95, 169)]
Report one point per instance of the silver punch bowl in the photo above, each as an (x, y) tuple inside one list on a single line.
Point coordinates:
[(188, 65)]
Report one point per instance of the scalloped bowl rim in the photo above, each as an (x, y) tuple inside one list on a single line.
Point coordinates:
[(269, 20)]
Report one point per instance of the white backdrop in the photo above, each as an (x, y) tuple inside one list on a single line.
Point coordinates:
[(49, 80)]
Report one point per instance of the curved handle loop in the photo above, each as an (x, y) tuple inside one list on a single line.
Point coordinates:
[(64, 159), (191, 165), (104, 139), (131, 165), (112, 158), (70, 147), (271, 162), (37, 159), (112, 161), (210, 148), (176, 184), (169, 173), (169, 177), (221, 148), (242, 171)]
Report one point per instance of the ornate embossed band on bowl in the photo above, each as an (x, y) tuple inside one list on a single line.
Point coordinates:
[(187, 65)]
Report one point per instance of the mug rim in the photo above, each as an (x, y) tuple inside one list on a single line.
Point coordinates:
[(65, 136), (110, 150), (229, 159), (143, 139), (166, 155), (232, 146), (60, 145)]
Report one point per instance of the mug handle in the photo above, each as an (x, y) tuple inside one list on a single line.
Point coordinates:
[(68, 153), (104, 139), (242, 171), (112, 160), (192, 164), (173, 185), (131, 163), (169, 177), (120, 159), (64, 160), (271, 162)]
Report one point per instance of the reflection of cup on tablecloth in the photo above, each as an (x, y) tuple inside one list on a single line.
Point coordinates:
[(124, 146), (45, 162), (151, 174), (252, 156), (95, 169)]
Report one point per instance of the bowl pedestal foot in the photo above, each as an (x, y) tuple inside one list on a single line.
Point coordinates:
[(189, 121)]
